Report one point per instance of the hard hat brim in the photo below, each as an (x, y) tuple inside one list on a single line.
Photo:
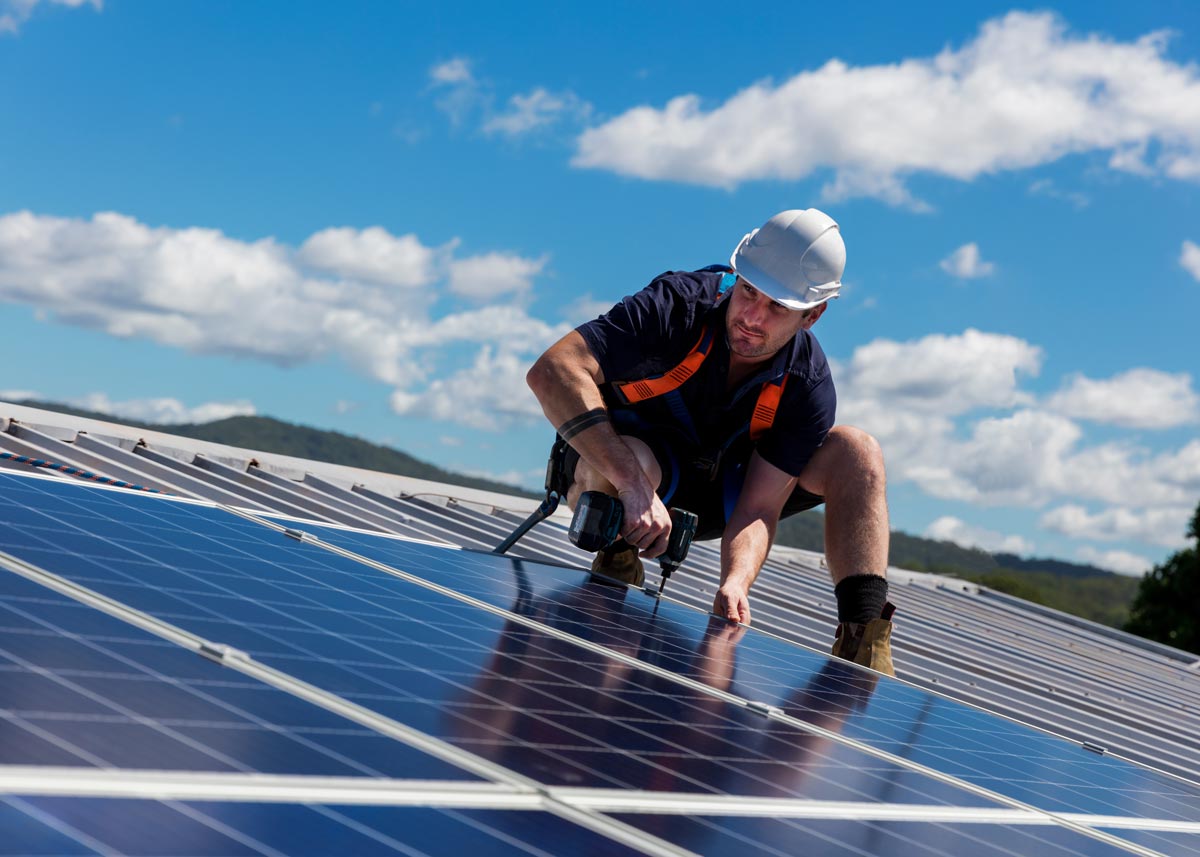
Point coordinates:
[(775, 290)]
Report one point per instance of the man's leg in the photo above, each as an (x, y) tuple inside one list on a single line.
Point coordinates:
[(621, 561), (848, 471)]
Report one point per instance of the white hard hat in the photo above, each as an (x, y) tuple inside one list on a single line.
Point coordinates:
[(796, 258)]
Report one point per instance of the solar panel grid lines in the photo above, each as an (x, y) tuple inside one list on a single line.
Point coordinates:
[(423, 742), (250, 667), (1037, 708), (89, 655), (487, 567)]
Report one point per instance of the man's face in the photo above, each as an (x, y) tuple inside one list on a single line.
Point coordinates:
[(757, 327)]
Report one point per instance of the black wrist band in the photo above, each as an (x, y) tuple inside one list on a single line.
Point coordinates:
[(585, 420)]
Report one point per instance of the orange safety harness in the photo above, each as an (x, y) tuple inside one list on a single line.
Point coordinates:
[(632, 392)]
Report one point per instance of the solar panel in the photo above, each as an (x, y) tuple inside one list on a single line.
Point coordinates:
[(87, 826), (972, 745), (575, 686), (79, 687)]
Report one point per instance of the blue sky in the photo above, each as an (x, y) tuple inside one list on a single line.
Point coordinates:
[(372, 217)]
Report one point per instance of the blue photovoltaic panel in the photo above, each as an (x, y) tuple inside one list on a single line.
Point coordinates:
[(540, 705), (78, 687), (87, 826), (519, 696), (970, 744), (844, 838)]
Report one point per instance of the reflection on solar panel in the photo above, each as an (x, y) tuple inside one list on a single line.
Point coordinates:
[(365, 694)]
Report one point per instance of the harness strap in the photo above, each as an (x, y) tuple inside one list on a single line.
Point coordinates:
[(766, 406), (669, 383), (647, 388)]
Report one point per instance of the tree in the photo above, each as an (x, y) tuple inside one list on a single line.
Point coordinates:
[(1167, 605)]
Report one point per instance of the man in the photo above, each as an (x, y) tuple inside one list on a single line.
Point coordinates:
[(707, 390)]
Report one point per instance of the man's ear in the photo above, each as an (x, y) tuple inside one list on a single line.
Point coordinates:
[(813, 314)]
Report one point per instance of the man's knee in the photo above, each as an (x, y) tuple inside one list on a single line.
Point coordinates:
[(849, 456), (859, 449), (587, 478)]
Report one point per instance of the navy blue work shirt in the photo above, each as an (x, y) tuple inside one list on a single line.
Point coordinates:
[(650, 332)]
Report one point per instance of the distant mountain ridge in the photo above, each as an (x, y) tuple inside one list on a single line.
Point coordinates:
[(1081, 589)]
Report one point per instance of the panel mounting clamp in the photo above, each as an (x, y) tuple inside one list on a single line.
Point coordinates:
[(763, 708), (219, 652)]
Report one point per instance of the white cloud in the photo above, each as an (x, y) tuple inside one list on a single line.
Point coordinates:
[(370, 255), (456, 70), (1013, 460), (461, 94), (163, 410), (1137, 398), (585, 308), (538, 109), (490, 275), (14, 13), (951, 529), (366, 297), (941, 374), (1047, 188), (528, 479), (1120, 562), (1189, 258), (490, 395), (966, 264), (19, 395), (1159, 526), (1024, 92)]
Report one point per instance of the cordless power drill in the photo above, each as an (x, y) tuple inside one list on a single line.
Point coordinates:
[(596, 524)]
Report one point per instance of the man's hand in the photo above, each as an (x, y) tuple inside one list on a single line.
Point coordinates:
[(647, 523), (733, 603)]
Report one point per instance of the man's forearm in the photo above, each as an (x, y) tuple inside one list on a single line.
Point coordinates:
[(565, 382), (744, 549)]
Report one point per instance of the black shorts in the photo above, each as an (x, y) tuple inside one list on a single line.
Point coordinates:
[(689, 485)]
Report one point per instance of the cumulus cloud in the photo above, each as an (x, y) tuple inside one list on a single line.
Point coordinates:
[(1120, 562), (538, 109), (1138, 398), (1189, 258), (14, 13), (491, 275), (489, 395), (965, 263), (1024, 92), (370, 255), (951, 529), (941, 374), (364, 296), (1160, 526)]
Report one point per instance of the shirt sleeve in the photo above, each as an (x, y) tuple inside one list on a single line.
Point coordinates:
[(644, 331)]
